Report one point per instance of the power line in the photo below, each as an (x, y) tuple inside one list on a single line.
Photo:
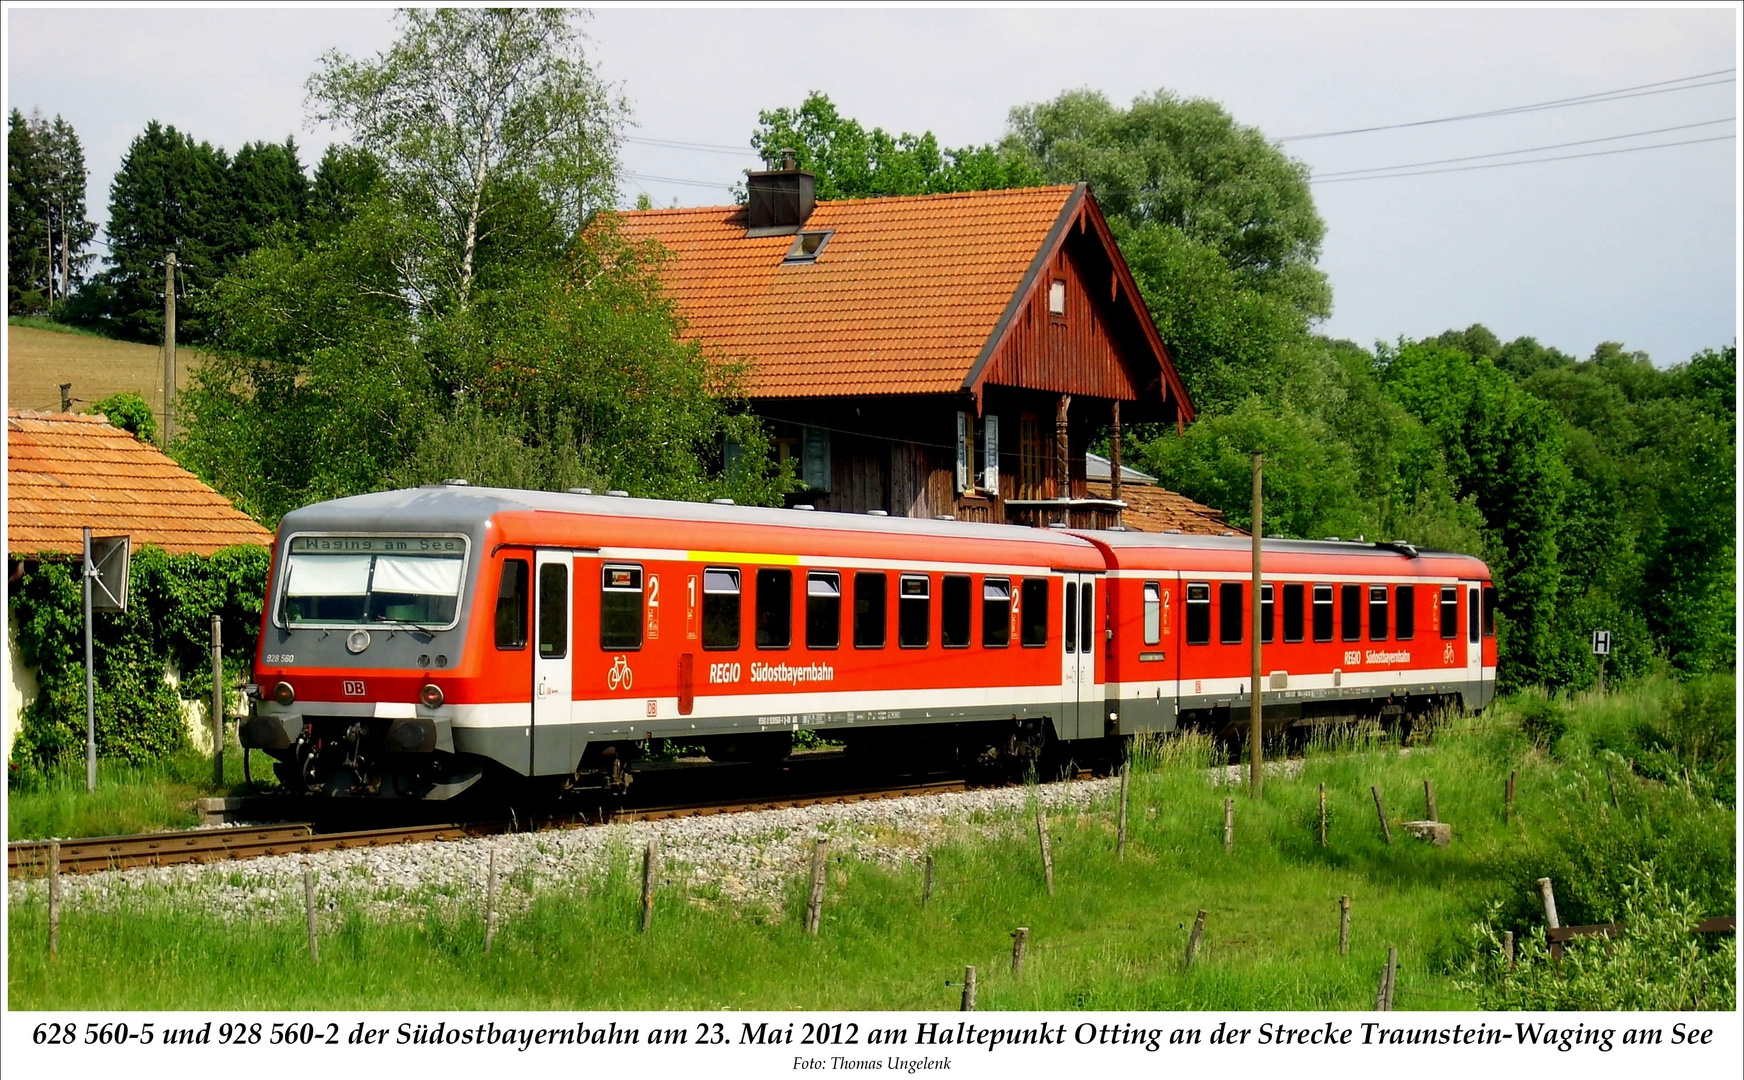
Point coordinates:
[(1534, 161), (1527, 150), (705, 148), (1620, 94), (679, 180)]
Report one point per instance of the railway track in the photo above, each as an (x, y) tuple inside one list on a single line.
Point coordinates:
[(89, 856)]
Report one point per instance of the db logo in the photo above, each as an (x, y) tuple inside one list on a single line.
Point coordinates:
[(351, 687)]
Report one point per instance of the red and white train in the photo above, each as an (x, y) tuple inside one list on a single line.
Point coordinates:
[(414, 640)]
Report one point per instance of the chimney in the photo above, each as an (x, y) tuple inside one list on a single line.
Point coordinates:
[(780, 199)]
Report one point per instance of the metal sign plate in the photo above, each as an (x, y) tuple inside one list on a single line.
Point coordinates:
[(1601, 643), (111, 556)]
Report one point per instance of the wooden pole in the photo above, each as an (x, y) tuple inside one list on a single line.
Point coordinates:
[(1381, 812), (1322, 813), (309, 910), (926, 893), (1429, 800), (1228, 824), (1019, 942), (90, 678), (1062, 462), (1549, 896), (1508, 948), (1508, 799), (1114, 453), (1120, 831), (1344, 925), (1256, 726), (650, 868), (54, 899), (66, 397), (218, 700), (169, 344), (1384, 995), (1193, 939), (969, 989), (490, 903), (814, 907), (1047, 852)]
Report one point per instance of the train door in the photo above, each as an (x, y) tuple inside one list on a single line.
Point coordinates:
[(553, 622), (1474, 647), (1081, 711)]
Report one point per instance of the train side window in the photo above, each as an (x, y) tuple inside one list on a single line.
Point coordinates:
[(914, 611), (1034, 600), (1405, 599), (1322, 613), (1266, 617), (1350, 621), (1198, 613), (1229, 613), (1471, 615), (1087, 618), (869, 606), (774, 609), (1489, 611), (620, 606), (1377, 613), (1153, 612), (553, 611), (823, 610), (1071, 616), (954, 617), (720, 608), (512, 605), (1449, 611), (995, 612), (1293, 595)]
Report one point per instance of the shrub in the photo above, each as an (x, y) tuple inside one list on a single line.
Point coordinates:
[(129, 412), (1544, 720)]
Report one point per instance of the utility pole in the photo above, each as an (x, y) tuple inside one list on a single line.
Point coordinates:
[(90, 678), (169, 345), (1256, 729)]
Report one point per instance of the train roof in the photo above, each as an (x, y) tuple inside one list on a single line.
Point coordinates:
[(1132, 547), (455, 507)]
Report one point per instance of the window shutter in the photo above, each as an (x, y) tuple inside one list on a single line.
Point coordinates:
[(990, 450), (964, 464), (815, 458)]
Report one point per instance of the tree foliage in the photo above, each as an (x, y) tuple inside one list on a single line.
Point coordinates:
[(47, 233)]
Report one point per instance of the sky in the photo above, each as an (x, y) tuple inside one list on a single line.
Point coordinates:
[(1639, 247)]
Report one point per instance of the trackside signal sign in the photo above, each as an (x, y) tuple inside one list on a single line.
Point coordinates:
[(1601, 643)]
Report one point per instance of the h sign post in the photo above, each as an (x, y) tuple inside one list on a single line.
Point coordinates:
[(1601, 649)]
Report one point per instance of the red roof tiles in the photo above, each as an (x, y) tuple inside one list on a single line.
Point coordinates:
[(1155, 509), (66, 471), (901, 300)]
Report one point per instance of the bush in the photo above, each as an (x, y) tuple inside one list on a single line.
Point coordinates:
[(129, 412), (1657, 964), (1544, 720)]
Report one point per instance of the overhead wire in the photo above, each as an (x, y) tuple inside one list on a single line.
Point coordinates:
[(1528, 149), (1620, 94), (1531, 161)]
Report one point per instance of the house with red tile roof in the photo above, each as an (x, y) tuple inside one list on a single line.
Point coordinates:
[(66, 472), (926, 355)]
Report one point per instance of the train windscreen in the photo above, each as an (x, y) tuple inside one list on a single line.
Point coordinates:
[(345, 581)]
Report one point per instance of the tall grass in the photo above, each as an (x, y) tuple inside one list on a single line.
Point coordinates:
[(129, 798)]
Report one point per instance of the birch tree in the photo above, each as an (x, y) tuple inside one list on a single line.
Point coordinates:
[(469, 106)]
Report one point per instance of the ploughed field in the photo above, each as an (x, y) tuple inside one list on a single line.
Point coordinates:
[(38, 361)]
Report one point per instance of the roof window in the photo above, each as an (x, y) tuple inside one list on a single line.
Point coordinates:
[(807, 245), (1057, 298)]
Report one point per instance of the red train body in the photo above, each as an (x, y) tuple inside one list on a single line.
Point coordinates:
[(414, 638)]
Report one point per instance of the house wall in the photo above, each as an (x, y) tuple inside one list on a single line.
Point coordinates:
[(1075, 353), (21, 685)]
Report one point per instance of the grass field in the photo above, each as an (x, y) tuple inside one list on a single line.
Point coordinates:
[(39, 360), (1113, 936)]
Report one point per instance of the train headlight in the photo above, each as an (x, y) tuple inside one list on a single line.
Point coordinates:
[(283, 694), (431, 696)]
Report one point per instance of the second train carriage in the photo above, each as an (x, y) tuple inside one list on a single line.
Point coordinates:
[(413, 639)]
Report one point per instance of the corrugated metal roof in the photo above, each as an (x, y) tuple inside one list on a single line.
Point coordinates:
[(901, 300), (66, 471)]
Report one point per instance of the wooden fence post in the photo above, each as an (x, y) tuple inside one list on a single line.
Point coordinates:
[(968, 989), (309, 908), (1047, 853), (1228, 824), (1020, 942), (1344, 925), (54, 899), (1508, 800), (1323, 813), (490, 902), (1389, 972), (1381, 812), (814, 907), (1508, 948), (650, 867), (1429, 800), (1549, 896), (1193, 939), (926, 892), (1120, 832)]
